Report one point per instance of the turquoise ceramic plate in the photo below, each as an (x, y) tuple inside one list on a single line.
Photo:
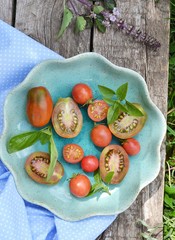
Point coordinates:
[(59, 77)]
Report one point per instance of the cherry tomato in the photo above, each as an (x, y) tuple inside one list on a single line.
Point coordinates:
[(39, 106), (81, 93), (89, 163), (131, 146), (97, 110), (73, 153), (80, 185), (101, 136)]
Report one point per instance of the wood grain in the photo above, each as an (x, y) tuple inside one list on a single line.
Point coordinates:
[(41, 20), (123, 51), (7, 9)]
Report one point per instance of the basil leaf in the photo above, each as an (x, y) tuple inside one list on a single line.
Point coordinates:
[(122, 108), (80, 24), (133, 110), (99, 25), (122, 91), (106, 92), (22, 141), (67, 18), (97, 177), (98, 187), (113, 113), (53, 157), (109, 4), (109, 176), (97, 9), (109, 101)]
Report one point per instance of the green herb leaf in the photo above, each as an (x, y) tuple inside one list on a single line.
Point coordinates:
[(97, 177), (80, 24), (109, 176), (122, 91), (106, 92), (109, 101), (99, 25), (122, 108), (113, 113), (67, 18), (97, 9), (109, 4), (22, 141), (53, 157), (133, 110)]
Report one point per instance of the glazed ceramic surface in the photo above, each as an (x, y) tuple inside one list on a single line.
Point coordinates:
[(59, 76)]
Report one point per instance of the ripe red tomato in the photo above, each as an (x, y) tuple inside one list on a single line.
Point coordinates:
[(73, 153), (97, 110), (81, 93), (89, 163), (101, 136), (131, 146), (80, 185), (39, 106)]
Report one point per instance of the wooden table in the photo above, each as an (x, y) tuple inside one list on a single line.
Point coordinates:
[(41, 19)]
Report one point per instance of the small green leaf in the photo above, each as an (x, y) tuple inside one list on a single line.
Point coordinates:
[(113, 113), (67, 18), (80, 24), (169, 201), (99, 25), (22, 141), (122, 91), (97, 177), (122, 108), (106, 92), (109, 101), (109, 4), (109, 176), (97, 9), (133, 110), (53, 157)]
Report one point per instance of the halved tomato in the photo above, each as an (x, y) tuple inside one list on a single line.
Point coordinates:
[(67, 118), (113, 161), (73, 153), (97, 110)]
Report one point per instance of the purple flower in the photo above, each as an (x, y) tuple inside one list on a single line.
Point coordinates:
[(112, 18), (116, 12), (106, 23), (93, 15)]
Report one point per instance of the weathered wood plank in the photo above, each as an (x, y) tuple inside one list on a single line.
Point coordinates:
[(41, 20), (7, 11), (151, 17)]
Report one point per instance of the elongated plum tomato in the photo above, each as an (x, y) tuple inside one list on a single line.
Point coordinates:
[(37, 165), (89, 163), (80, 185), (97, 110), (114, 159), (67, 118), (127, 126), (101, 135), (131, 146), (73, 153), (82, 93), (39, 106)]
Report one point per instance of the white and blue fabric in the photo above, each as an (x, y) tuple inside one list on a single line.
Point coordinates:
[(19, 219)]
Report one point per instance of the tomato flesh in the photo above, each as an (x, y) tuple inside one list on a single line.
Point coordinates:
[(97, 110), (80, 185), (89, 163), (81, 93), (101, 136), (131, 146), (73, 153)]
